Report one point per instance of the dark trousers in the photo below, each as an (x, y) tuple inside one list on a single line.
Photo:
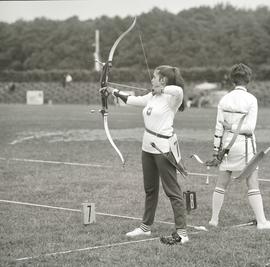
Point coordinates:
[(155, 166)]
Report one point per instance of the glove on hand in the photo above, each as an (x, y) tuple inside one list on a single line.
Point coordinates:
[(217, 158), (213, 162)]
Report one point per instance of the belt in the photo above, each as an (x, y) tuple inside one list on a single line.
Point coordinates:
[(244, 134), (157, 134)]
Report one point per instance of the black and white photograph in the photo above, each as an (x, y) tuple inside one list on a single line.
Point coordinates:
[(135, 133)]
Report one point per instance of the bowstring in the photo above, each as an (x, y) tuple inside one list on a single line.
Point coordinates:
[(144, 53), (148, 71), (145, 58)]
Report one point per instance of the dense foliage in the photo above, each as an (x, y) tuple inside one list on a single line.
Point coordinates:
[(196, 37), (201, 37)]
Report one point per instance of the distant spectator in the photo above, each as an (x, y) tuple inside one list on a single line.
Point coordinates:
[(11, 87), (66, 79), (189, 102), (225, 82)]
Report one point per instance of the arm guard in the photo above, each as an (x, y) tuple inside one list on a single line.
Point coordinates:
[(217, 143)]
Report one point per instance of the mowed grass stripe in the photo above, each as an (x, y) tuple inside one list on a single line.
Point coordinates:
[(201, 228), (94, 247), (57, 162)]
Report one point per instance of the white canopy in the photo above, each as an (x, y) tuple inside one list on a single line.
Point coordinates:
[(206, 86)]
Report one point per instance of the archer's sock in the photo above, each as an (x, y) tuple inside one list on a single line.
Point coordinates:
[(145, 228), (255, 201), (217, 201)]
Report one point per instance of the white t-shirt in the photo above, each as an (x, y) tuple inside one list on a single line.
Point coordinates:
[(158, 114)]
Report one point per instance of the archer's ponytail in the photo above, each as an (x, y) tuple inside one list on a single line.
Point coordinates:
[(180, 82)]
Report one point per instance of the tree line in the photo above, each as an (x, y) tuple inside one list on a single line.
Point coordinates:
[(202, 37)]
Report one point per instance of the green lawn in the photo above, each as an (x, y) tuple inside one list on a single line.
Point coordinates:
[(72, 134)]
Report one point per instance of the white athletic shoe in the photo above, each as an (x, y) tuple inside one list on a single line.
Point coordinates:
[(184, 239), (213, 223), (263, 226), (138, 232)]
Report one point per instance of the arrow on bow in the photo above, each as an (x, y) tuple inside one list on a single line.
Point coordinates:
[(104, 92)]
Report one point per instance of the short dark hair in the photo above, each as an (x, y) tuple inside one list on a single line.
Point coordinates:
[(240, 74)]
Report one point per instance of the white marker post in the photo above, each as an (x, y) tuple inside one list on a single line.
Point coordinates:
[(89, 213)]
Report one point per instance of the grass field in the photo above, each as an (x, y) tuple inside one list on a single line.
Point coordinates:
[(56, 139)]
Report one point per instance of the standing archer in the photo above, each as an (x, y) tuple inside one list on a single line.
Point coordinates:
[(160, 107), (236, 117)]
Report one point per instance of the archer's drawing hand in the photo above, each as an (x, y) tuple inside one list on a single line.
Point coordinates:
[(112, 90), (103, 89), (157, 90)]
